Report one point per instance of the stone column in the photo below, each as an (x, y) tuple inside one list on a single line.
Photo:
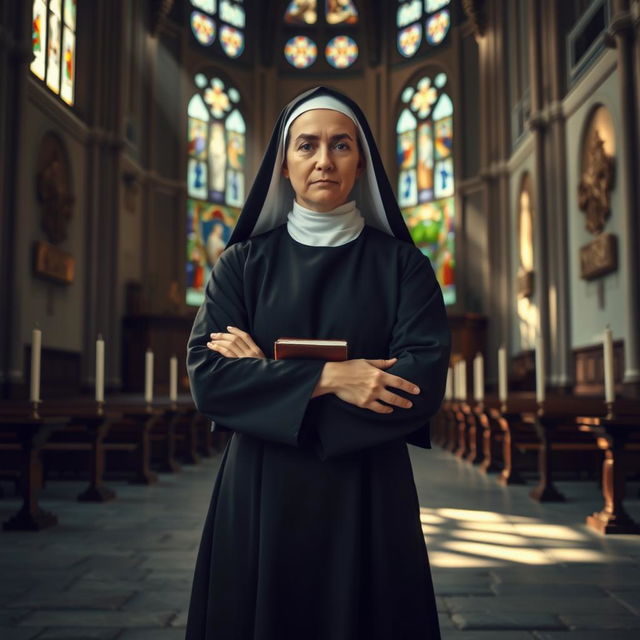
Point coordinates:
[(105, 121), (560, 366), (15, 57), (622, 28), (538, 124)]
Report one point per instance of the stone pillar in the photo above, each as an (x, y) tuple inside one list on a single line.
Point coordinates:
[(560, 365), (104, 143), (15, 57), (622, 28), (538, 124)]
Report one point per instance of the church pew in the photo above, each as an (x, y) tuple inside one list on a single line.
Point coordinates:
[(616, 434), (31, 433)]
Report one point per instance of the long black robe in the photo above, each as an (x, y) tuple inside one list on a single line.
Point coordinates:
[(313, 532)]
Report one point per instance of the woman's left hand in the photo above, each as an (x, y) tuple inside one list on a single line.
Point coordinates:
[(235, 344)]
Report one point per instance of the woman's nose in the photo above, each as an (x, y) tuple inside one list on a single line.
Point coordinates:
[(323, 159)]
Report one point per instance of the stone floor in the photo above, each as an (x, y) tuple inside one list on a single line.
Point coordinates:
[(505, 568)]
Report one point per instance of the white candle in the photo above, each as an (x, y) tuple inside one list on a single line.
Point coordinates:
[(478, 378), (502, 374), (173, 379), (99, 369), (463, 379), (609, 380), (148, 376), (540, 373), (36, 348), (456, 380)]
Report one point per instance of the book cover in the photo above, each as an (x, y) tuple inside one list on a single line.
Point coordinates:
[(306, 349)]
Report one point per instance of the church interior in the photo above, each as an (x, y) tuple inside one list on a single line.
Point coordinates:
[(509, 130)]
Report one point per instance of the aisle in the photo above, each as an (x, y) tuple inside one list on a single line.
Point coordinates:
[(505, 568), (508, 568)]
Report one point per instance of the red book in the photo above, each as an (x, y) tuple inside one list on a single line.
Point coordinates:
[(301, 348)]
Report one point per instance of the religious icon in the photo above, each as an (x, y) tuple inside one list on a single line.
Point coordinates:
[(235, 150), (53, 66), (444, 137), (197, 141), (235, 188), (425, 162), (39, 38), (444, 178), (407, 149), (217, 158), (301, 12), (407, 188), (341, 11), (197, 179)]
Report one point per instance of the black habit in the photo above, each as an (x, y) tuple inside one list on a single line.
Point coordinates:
[(313, 531)]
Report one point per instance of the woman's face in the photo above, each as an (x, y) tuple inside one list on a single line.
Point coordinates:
[(322, 159)]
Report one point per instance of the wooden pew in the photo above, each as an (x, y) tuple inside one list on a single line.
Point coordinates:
[(31, 434), (614, 433)]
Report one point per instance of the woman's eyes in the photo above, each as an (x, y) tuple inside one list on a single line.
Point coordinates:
[(339, 146)]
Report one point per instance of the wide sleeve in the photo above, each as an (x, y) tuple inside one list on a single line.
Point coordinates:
[(261, 397), (421, 342)]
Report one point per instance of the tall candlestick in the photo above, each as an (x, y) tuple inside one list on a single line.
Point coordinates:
[(463, 379), (609, 379), (99, 369), (456, 381), (540, 370), (148, 377), (173, 379), (502, 374), (36, 348), (478, 378)]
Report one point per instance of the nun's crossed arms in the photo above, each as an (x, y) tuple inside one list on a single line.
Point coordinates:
[(363, 383)]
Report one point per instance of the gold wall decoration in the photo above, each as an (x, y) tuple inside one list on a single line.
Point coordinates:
[(600, 256), (525, 278), (477, 13), (594, 190), (53, 188), (597, 172)]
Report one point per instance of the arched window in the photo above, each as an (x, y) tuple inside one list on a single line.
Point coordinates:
[(424, 134), (53, 41), (419, 21), (332, 24), (223, 21), (216, 135)]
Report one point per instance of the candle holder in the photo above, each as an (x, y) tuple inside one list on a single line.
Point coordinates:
[(100, 408), (610, 411), (35, 406), (541, 405)]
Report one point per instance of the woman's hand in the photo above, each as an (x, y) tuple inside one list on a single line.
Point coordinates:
[(235, 344), (364, 383)]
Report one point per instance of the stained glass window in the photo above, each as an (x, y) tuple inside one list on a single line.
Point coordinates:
[(224, 20), (341, 52), (415, 18), (426, 186), (318, 22), (301, 52), (216, 144), (53, 42)]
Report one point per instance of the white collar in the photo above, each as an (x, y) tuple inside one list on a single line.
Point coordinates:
[(327, 228)]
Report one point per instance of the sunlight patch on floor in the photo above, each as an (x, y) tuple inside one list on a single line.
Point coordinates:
[(472, 539)]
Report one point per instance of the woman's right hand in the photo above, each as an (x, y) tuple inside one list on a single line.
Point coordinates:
[(364, 383)]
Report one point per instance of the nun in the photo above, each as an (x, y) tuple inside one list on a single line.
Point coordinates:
[(313, 531)]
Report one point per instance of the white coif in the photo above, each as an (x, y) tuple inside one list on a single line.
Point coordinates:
[(326, 229)]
